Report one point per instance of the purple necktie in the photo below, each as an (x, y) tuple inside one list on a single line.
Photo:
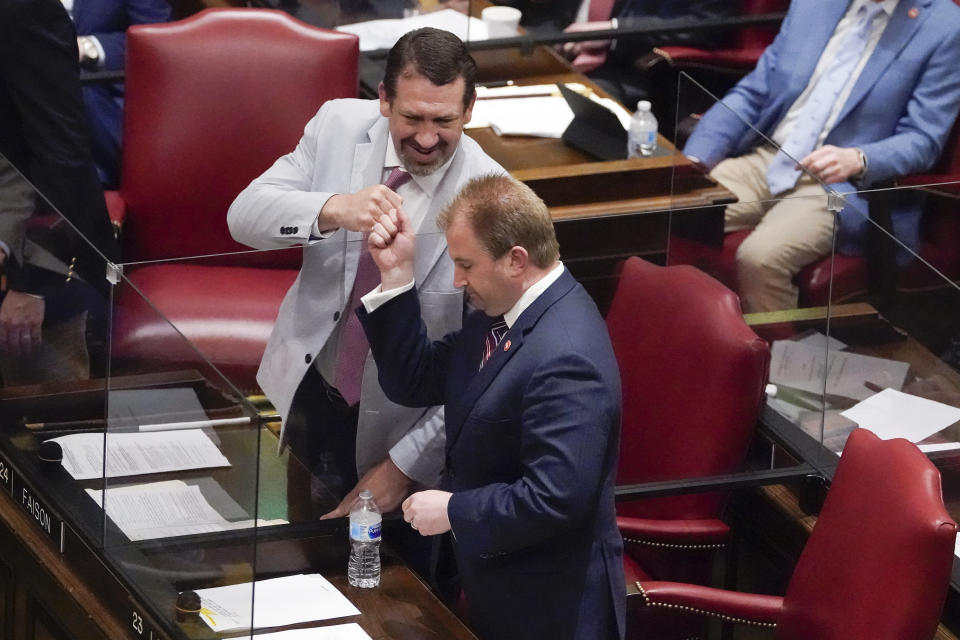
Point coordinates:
[(492, 338), (353, 341)]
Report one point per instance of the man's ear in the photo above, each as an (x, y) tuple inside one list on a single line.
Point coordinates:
[(519, 259), (384, 102), (468, 112)]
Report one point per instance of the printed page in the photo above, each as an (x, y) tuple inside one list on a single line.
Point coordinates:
[(278, 602), (130, 454)]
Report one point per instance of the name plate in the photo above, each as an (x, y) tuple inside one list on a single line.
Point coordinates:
[(41, 513)]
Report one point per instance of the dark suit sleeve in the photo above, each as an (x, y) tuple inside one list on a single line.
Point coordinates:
[(411, 369), (114, 40), (570, 413), (636, 14), (46, 135)]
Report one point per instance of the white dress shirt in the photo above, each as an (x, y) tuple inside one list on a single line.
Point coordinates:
[(417, 194), (846, 24)]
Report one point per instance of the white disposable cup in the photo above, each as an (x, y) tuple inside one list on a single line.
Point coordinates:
[(502, 22)]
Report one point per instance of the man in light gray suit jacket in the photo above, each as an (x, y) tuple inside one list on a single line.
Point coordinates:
[(327, 194)]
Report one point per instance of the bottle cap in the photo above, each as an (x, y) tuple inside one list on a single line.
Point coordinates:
[(643, 105), (365, 494)]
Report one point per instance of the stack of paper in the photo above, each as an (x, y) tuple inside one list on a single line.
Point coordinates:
[(130, 454), (276, 602), (894, 414), (165, 509), (800, 366), (383, 34), (532, 110)]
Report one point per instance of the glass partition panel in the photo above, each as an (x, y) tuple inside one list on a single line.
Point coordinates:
[(742, 236), (905, 301), (169, 478)]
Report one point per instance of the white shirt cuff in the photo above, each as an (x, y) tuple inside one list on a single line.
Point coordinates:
[(102, 55), (316, 234), (378, 297)]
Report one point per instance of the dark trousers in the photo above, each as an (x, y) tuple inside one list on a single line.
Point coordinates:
[(321, 432)]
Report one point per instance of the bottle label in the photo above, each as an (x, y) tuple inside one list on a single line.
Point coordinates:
[(651, 137), (365, 533)]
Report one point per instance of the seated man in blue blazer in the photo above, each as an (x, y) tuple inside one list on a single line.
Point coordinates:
[(857, 92), (532, 396)]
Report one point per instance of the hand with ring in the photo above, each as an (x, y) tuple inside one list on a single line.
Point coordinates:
[(21, 321), (429, 510)]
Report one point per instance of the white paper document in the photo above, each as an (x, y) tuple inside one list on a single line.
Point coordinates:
[(131, 454), (801, 366), (819, 340), (383, 34), (350, 631), (277, 602), (894, 414), (165, 509), (532, 110)]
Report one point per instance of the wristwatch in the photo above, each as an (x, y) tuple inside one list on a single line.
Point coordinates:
[(89, 53), (863, 164)]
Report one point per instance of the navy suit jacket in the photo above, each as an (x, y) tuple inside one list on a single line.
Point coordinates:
[(899, 112), (108, 20), (532, 445)]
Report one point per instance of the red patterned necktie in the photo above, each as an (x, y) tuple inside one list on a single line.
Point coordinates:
[(353, 341), (492, 338)]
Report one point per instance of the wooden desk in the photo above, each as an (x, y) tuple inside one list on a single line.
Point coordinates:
[(69, 584), (773, 512)]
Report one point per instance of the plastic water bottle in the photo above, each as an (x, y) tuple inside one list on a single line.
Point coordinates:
[(643, 131), (363, 569)]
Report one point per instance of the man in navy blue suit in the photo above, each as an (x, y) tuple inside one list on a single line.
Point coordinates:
[(102, 43), (532, 396), (885, 114)]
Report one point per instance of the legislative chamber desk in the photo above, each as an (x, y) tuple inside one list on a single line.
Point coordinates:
[(779, 516), (68, 573)]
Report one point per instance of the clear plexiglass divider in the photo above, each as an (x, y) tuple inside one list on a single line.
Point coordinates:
[(137, 435), (513, 24), (868, 335)]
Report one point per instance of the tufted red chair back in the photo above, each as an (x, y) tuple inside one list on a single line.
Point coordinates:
[(877, 564), (693, 376), (211, 102)]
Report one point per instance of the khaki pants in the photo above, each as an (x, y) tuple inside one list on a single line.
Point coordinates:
[(789, 232)]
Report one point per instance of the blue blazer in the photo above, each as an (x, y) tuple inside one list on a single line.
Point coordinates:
[(108, 20), (899, 112), (532, 444)]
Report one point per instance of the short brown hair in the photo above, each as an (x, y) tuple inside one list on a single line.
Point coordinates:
[(437, 55), (505, 213)]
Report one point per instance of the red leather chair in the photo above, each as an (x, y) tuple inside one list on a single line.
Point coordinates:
[(745, 47), (693, 376), (876, 566), (211, 102)]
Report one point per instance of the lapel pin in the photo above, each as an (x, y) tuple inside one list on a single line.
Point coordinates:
[(913, 13), (506, 346)]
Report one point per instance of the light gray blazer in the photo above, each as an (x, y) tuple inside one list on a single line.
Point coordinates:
[(342, 151)]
